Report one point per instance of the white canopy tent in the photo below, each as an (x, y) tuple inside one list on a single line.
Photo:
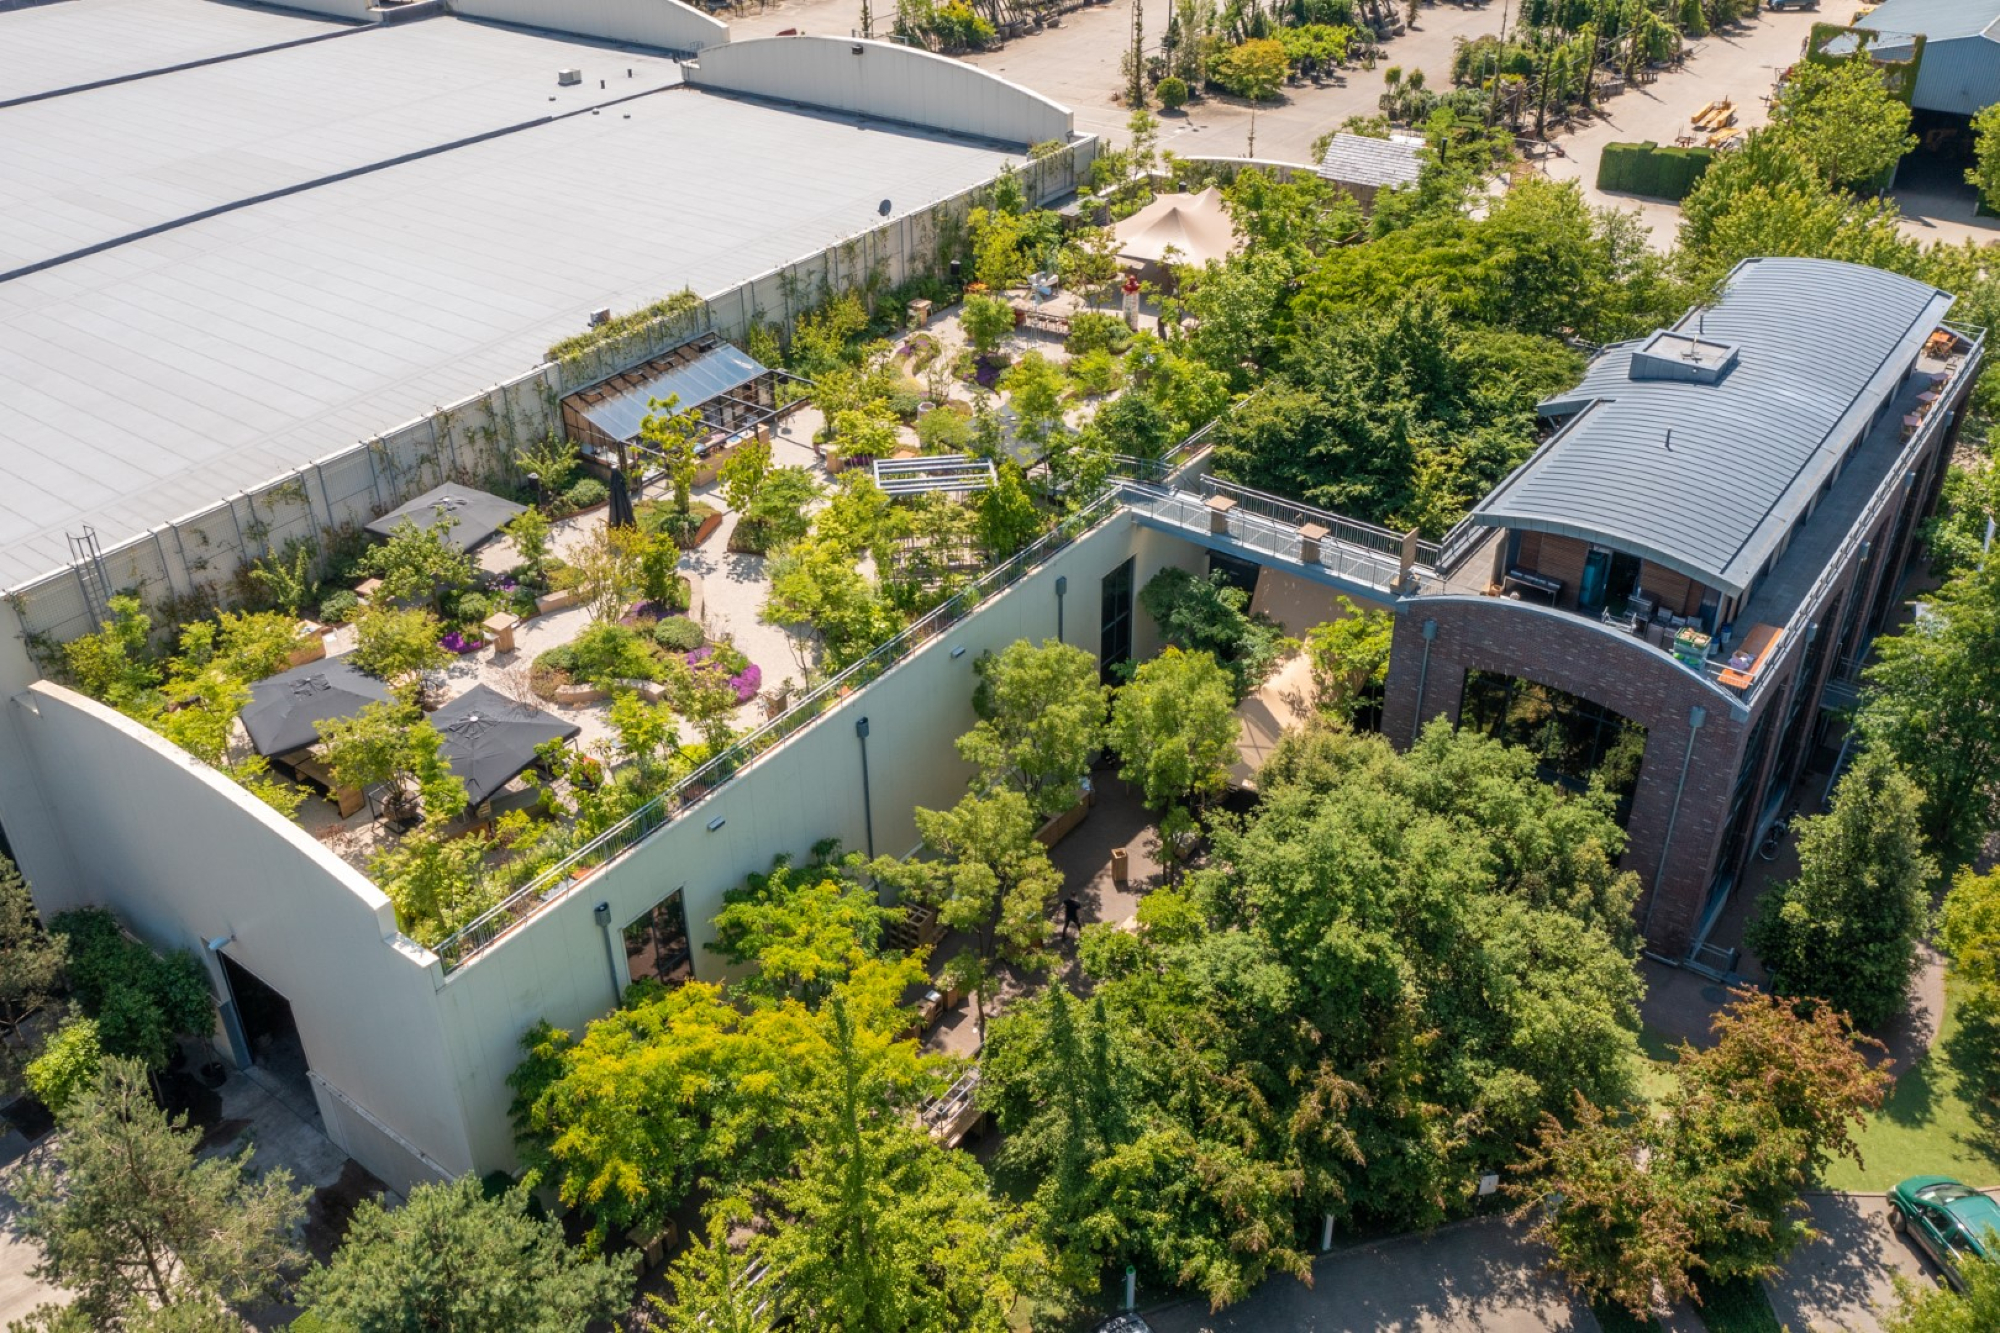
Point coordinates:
[(1183, 228)]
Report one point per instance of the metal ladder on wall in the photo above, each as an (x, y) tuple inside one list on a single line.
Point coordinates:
[(88, 562)]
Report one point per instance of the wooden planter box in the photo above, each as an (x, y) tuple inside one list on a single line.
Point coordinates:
[(560, 600), (704, 532), (312, 644), (1061, 826)]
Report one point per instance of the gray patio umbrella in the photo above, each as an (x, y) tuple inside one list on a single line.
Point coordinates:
[(285, 710), (489, 738), (476, 515)]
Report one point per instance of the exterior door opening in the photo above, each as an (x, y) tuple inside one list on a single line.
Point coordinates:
[(269, 1030)]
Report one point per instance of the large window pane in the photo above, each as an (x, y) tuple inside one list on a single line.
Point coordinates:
[(1571, 738), (656, 945)]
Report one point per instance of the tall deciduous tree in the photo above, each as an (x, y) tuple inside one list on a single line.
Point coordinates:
[(451, 1260), (671, 432), (1846, 930), (419, 564), (132, 1222), (1175, 727), (715, 1290), (1840, 117), (806, 927), (1984, 174), (1933, 704), (1041, 719), (1350, 658), (31, 960)]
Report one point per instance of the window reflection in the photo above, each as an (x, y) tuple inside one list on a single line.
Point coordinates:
[(656, 945)]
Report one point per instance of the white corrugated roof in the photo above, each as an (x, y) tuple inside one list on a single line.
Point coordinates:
[(146, 380)]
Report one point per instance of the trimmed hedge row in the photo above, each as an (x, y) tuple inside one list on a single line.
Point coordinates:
[(1650, 170)]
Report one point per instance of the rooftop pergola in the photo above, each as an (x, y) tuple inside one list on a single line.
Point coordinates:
[(950, 474)]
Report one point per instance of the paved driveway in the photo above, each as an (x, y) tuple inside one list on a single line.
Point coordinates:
[(1472, 1276), (1846, 1280)]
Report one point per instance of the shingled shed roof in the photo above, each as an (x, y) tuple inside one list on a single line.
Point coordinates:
[(1762, 393), (1356, 159)]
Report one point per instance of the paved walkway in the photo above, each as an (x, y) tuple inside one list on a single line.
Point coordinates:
[(1847, 1280), (1481, 1276)]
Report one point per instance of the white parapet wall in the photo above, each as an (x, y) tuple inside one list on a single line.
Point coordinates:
[(185, 856), (886, 81), (563, 966), (666, 24)]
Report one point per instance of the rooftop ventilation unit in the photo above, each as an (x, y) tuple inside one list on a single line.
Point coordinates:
[(1669, 355), (599, 318), (568, 78)]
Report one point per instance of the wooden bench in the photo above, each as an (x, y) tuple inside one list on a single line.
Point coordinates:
[(1757, 647)]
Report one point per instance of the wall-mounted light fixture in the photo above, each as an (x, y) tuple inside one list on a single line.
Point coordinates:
[(716, 823), (221, 942), (958, 651)]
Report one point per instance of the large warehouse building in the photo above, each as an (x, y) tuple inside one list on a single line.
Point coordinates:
[(265, 273)]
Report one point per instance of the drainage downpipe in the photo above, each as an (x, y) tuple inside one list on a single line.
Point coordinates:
[(1423, 676), (1696, 716), (602, 914)]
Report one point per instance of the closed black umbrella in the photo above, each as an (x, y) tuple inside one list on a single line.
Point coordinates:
[(285, 710), (489, 738), (621, 515)]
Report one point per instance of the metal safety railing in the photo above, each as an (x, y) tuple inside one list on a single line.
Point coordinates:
[(1342, 529)]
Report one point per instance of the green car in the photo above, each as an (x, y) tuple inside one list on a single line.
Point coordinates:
[(1947, 1220)]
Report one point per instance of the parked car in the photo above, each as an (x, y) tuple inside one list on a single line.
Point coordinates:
[(1947, 1220), (1124, 1323), (1791, 4)]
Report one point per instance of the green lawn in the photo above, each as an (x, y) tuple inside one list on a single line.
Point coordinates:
[(1929, 1125)]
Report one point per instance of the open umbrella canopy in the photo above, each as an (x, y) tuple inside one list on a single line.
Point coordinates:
[(475, 515), (489, 738), (285, 710)]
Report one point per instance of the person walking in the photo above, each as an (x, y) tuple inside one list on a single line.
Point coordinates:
[(1072, 915)]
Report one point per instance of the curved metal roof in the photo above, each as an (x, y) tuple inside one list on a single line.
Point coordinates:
[(1707, 478)]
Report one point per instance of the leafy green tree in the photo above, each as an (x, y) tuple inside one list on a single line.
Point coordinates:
[(723, 1091), (1842, 119), (131, 1221), (1757, 1116), (1134, 425), (1984, 174), (529, 531), (1969, 928), (805, 927), (1034, 386), (1941, 1309), (989, 877), (1711, 1185), (744, 473), (815, 583), (1930, 705), (551, 460), (672, 433), (1208, 615), (454, 1261), (31, 959), (988, 321), (1253, 70), (885, 1231), (1616, 1229), (398, 646), (605, 573), (437, 883), (419, 564), (780, 513), (869, 431), (1846, 930), (1175, 727), (1041, 720), (1005, 515), (1350, 658), (68, 1064), (141, 1000), (714, 1280), (114, 663)]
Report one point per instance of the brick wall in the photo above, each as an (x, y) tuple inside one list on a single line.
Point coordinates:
[(1618, 671)]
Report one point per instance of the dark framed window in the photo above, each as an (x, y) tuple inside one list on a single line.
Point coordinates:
[(656, 945), (1573, 739), (1114, 643)]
